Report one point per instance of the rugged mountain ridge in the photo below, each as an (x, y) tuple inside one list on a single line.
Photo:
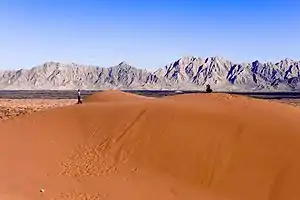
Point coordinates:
[(187, 73)]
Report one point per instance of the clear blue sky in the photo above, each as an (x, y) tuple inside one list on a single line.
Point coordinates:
[(146, 33)]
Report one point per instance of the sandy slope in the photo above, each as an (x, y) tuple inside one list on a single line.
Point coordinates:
[(203, 146), (113, 95)]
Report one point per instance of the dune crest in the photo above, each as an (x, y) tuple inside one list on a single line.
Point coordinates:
[(182, 147), (113, 96)]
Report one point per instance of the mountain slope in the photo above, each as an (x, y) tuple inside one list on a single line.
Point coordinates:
[(185, 74)]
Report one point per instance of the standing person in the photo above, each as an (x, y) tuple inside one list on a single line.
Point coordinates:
[(79, 97), (208, 89)]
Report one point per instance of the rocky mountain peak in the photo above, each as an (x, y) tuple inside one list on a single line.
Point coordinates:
[(124, 64), (186, 73)]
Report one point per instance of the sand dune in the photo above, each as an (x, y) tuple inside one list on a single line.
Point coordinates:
[(113, 95), (182, 147)]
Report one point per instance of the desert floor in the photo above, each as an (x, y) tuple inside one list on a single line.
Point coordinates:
[(10, 108)]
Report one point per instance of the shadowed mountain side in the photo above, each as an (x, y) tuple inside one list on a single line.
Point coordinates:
[(181, 149)]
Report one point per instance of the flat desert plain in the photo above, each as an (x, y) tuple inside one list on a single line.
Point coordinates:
[(123, 146), (10, 108)]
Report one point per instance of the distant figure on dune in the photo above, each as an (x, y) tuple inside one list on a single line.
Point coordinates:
[(208, 89), (79, 97)]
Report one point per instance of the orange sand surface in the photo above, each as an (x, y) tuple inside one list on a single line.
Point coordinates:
[(193, 146), (113, 95)]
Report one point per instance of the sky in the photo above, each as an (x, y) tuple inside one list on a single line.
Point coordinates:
[(146, 33)]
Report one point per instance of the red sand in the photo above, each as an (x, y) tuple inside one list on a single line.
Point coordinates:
[(204, 146), (112, 95)]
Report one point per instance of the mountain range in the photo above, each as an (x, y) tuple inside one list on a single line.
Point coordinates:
[(186, 73)]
